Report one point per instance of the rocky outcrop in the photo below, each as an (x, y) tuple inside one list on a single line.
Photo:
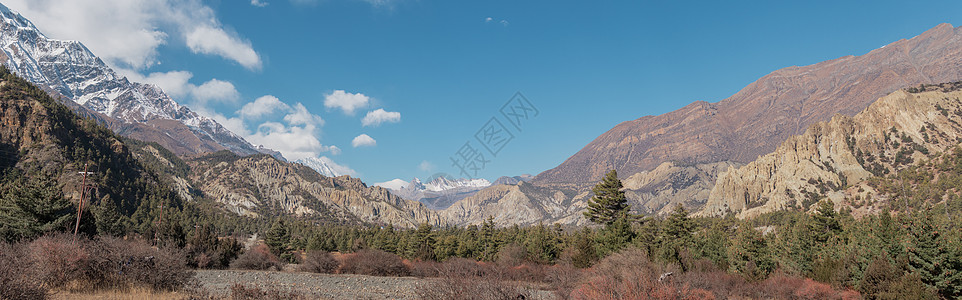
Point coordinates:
[(758, 118), (896, 131), (658, 191), (654, 192), (260, 184)]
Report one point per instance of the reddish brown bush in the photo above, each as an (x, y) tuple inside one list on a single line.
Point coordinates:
[(62, 259), (529, 272), (18, 278), (318, 261), (563, 278), (375, 263), (468, 279), (426, 268), (462, 267), (242, 292), (79, 264), (258, 257), (511, 255), (137, 263), (477, 288), (629, 274)]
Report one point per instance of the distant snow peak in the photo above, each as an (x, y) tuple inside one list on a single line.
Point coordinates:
[(323, 166), (394, 184), (440, 191), (440, 184)]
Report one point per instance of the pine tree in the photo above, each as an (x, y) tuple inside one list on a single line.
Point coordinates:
[(421, 245), (675, 235), (30, 208), (584, 249), (615, 236), (748, 253), (541, 244), (108, 220), (825, 223), (609, 201), (933, 254), (278, 237)]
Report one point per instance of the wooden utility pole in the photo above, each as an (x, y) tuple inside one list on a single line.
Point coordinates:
[(83, 195)]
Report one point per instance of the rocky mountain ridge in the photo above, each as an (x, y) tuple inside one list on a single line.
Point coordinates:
[(675, 158), (754, 121), (141, 111), (833, 159), (256, 184)]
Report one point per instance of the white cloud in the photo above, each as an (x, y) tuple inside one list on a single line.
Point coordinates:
[(296, 137), (363, 140), (177, 85), (488, 19), (334, 150), (347, 102), (216, 41), (300, 116), (127, 33), (264, 105), (426, 166), (295, 142), (504, 22), (215, 90), (376, 117), (259, 3)]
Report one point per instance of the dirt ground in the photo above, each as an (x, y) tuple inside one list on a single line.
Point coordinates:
[(315, 286)]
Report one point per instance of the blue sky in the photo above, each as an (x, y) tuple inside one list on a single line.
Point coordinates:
[(447, 67)]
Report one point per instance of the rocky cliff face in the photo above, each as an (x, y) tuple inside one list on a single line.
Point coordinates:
[(259, 184), (652, 192), (758, 118), (833, 159)]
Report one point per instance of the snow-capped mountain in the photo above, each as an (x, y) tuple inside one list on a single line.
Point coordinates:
[(440, 184), (395, 184), (439, 193), (134, 109), (322, 165)]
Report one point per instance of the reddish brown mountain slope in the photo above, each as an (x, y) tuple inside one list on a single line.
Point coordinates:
[(758, 118)]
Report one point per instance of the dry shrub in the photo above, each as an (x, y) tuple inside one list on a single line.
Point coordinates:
[(781, 286), (73, 263), (463, 267), (258, 257), (629, 274), (137, 263), (424, 268), (18, 278), (375, 263), (511, 255), (526, 272), (563, 278), (468, 279), (242, 292), (78, 264), (318, 261)]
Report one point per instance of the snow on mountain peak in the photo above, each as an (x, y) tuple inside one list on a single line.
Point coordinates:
[(394, 184), (72, 70)]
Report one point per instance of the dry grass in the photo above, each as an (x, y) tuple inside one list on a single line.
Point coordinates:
[(131, 294)]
